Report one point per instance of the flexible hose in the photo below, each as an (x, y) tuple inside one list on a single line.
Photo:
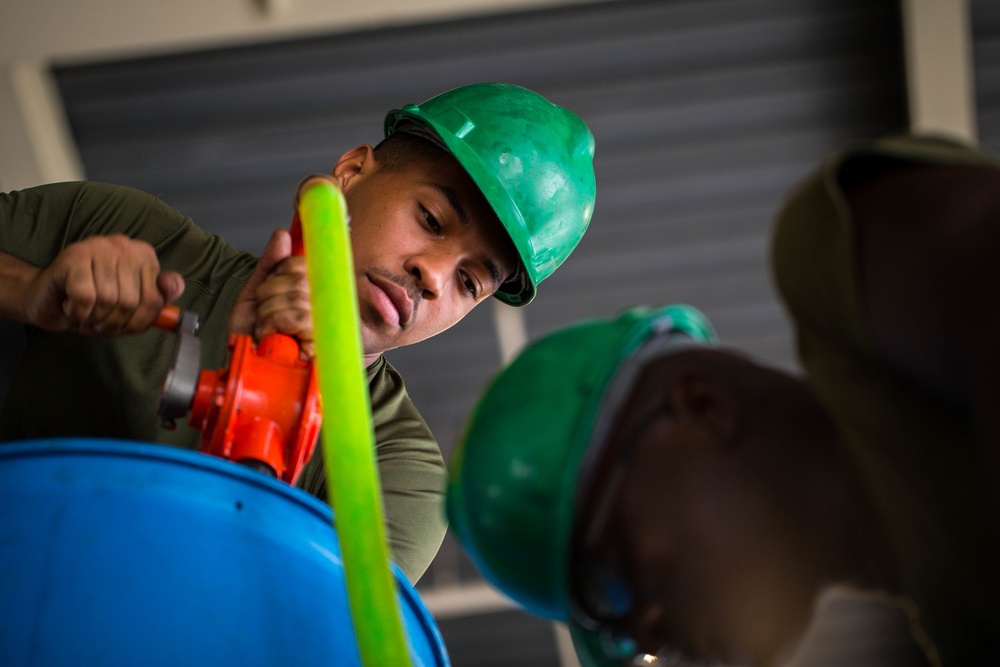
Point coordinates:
[(347, 438)]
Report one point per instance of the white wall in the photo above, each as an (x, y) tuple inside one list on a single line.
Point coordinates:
[(939, 76), (35, 146), (70, 30)]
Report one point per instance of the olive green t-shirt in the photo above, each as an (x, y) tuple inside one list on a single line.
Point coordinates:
[(66, 385), (916, 454)]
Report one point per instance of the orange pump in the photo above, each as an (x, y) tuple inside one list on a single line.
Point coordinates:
[(263, 409)]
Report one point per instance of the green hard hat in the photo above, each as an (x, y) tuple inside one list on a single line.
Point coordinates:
[(513, 475), (533, 161)]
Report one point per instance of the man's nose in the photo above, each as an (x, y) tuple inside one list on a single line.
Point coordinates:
[(431, 271)]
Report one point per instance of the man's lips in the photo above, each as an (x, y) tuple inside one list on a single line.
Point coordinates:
[(392, 300)]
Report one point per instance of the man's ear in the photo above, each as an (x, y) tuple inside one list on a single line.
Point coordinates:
[(706, 401), (360, 159)]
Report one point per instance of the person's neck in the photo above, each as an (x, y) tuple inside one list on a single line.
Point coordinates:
[(874, 561), (834, 507), (863, 551)]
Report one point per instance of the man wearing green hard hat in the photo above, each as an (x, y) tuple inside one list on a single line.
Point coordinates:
[(673, 501), (481, 191)]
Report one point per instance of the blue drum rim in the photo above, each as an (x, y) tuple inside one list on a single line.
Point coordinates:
[(130, 450)]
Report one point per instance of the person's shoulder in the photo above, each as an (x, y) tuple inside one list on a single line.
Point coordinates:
[(389, 397), (109, 201), (383, 377), (96, 190), (921, 148), (70, 191)]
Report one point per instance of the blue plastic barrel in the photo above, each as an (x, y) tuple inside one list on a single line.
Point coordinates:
[(118, 553)]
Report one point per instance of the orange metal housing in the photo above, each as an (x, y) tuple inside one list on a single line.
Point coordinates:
[(264, 407)]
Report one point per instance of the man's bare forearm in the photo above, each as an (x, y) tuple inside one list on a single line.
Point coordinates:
[(15, 277)]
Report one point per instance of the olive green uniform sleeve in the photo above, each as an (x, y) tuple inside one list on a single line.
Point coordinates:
[(68, 385), (411, 471)]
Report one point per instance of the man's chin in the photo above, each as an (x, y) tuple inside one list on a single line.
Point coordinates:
[(378, 340), (371, 346), (374, 347)]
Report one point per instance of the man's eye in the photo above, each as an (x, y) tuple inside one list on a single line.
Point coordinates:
[(470, 285), (430, 220)]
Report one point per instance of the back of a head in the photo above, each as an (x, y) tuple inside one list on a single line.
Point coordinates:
[(514, 473), (772, 401), (531, 159)]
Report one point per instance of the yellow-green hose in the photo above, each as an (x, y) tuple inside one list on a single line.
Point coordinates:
[(347, 438)]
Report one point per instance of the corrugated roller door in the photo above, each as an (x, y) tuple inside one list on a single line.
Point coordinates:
[(705, 111), (985, 15)]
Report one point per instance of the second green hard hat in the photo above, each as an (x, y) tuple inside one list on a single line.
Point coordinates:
[(533, 161), (514, 472)]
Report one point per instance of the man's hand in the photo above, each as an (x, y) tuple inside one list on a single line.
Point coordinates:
[(275, 298), (101, 286), (283, 304)]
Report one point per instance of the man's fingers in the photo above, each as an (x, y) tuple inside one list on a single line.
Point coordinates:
[(279, 247), (157, 290), (171, 286), (287, 313), (108, 286), (128, 300), (244, 313), (80, 295)]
